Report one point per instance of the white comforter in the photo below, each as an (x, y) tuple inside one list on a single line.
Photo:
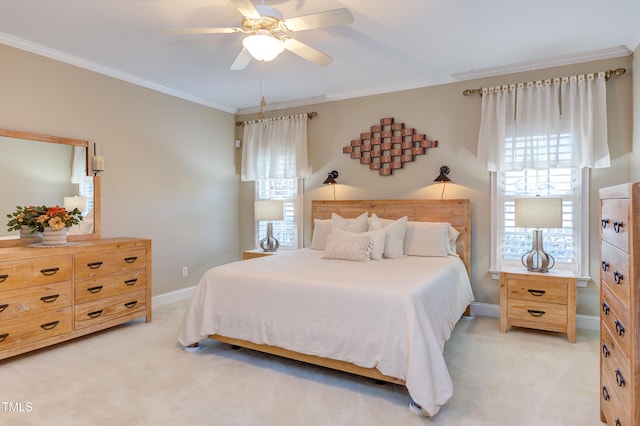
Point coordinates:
[(394, 315)]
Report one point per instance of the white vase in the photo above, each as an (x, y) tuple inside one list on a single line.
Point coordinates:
[(54, 238), (28, 236)]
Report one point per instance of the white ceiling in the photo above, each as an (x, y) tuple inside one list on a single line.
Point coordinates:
[(392, 45)]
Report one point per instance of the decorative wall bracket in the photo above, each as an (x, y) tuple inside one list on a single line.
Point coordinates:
[(387, 146)]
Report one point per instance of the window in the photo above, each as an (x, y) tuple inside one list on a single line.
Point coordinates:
[(288, 230), (567, 244)]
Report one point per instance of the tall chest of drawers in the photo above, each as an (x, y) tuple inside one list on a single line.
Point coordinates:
[(50, 295), (620, 305)]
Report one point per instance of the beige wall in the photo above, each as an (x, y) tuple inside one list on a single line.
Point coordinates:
[(635, 159), (169, 163), (443, 113)]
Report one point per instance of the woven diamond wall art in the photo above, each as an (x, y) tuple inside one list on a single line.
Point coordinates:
[(388, 146)]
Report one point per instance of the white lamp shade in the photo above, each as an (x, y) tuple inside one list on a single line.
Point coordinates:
[(71, 203), (538, 212), (269, 210), (263, 46)]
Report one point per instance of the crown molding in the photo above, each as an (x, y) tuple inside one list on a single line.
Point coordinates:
[(66, 58), (633, 44)]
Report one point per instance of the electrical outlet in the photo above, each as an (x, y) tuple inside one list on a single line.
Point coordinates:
[(185, 271)]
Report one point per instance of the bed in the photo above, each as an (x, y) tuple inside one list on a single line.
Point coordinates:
[(386, 319)]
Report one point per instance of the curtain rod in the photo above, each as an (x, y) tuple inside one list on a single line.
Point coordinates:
[(310, 116), (607, 75)]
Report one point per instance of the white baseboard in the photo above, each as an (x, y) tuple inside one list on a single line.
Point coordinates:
[(583, 322), (172, 296)]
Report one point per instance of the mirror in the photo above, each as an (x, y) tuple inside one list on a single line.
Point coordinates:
[(37, 169)]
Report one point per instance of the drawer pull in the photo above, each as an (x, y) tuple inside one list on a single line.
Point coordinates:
[(95, 289), (619, 328), (48, 272), (605, 308), (618, 422), (131, 281), (94, 265), (3, 278), (131, 304), (620, 378), (605, 393), (3, 307), (131, 259), (605, 265), (3, 337), (617, 277), (604, 223), (535, 313), (49, 299), (605, 351), (536, 292), (50, 325), (617, 227), (95, 314)]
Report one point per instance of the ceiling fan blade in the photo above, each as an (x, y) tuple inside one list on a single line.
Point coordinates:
[(202, 30), (306, 52), (319, 20), (241, 61), (246, 8)]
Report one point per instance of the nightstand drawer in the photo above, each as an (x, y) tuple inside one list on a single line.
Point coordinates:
[(547, 316), (537, 290)]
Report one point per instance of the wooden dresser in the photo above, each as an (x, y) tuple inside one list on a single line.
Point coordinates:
[(50, 295), (620, 305)]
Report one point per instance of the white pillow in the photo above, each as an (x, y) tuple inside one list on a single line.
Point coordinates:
[(395, 235), (359, 224), (354, 247), (427, 239), (377, 237), (321, 229), (453, 237)]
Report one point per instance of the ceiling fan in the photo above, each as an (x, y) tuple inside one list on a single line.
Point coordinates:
[(269, 34)]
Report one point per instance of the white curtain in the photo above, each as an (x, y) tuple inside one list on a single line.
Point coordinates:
[(275, 149), (79, 165), (559, 122)]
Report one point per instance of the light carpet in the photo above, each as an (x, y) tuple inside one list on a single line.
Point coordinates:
[(137, 374)]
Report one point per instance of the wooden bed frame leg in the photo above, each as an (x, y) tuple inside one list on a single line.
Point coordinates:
[(467, 313)]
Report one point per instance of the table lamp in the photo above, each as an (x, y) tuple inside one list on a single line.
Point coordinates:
[(269, 210), (538, 213)]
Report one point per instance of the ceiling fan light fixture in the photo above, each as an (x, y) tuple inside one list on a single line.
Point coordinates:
[(263, 46)]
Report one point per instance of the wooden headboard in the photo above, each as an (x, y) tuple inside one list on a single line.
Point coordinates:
[(455, 212)]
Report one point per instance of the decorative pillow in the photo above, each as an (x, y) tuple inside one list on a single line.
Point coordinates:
[(427, 239), (359, 224), (377, 237), (395, 234), (347, 247), (453, 237), (321, 229)]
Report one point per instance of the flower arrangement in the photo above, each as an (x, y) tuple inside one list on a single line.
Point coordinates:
[(40, 217)]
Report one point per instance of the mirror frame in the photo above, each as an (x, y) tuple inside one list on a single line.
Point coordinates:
[(96, 182)]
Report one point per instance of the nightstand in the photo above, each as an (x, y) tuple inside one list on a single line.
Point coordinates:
[(252, 254), (544, 301)]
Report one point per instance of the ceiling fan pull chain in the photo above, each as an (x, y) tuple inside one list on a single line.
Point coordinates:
[(263, 103)]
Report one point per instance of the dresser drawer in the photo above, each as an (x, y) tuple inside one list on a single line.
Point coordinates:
[(88, 289), (537, 291), (611, 401), (615, 271), (110, 308), (546, 316), (14, 303), (615, 222), (616, 365), (97, 263), (616, 317), (31, 328), (27, 273)]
